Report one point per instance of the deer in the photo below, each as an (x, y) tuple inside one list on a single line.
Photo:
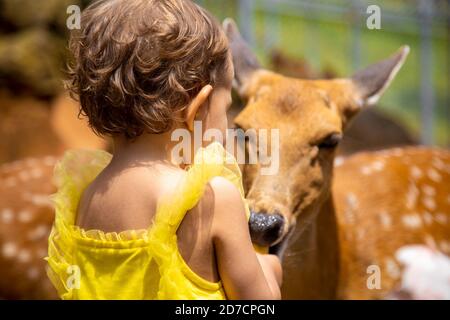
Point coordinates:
[(26, 216), (333, 220), (375, 221)]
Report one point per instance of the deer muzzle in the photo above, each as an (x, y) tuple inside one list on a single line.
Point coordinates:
[(266, 229)]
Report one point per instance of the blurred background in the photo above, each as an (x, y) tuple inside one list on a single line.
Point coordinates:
[(301, 38), (329, 38)]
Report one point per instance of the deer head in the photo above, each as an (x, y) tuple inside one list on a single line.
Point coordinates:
[(311, 116)]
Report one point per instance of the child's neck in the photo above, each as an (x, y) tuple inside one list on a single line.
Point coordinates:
[(145, 148)]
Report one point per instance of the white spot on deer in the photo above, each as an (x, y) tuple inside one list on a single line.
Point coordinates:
[(378, 165), (36, 173), (411, 196), (392, 268), (429, 203), (427, 218), (382, 153), (352, 200), (38, 233), (441, 218), (360, 234), (33, 273), (366, 170), (10, 182), (9, 250), (7, 215), (25, 216), (412, 221), (416, 173), (24, 176), (434, 175), (338, 161), (438, 163), (40, 200), (24, 256), (428, 190), (49, 161), (352, 204), (397, 152), (385, 219)]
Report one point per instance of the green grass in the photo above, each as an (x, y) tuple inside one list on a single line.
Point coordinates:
[(326, 41)]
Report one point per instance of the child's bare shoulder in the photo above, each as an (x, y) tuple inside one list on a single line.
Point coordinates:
[(125, 199), (141, 181), (228, 202), (224, 189)]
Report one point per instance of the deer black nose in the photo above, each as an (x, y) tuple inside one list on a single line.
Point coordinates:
[(266, 229)]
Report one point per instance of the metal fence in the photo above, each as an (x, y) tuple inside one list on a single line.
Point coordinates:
[(430, 20)]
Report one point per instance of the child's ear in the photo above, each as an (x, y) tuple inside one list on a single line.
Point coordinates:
[(193, 108)]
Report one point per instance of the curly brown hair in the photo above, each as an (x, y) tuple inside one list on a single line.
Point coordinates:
[(136, 63)]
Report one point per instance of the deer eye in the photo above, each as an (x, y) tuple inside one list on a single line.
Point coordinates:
[(330, 141)]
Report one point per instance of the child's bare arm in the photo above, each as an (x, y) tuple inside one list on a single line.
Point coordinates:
[(271, 267), (243, 274)]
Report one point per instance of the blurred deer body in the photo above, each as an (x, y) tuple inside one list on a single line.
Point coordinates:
[(26, 212), (26, 215), (380, 202), (385, 200)]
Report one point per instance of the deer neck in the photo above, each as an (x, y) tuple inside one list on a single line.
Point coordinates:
[(311, 263)]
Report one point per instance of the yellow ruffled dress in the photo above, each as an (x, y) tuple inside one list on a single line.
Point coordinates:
[(135, 264)]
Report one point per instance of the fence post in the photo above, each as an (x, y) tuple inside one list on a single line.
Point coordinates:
[(246, 10), (272, 24), (427, 99)]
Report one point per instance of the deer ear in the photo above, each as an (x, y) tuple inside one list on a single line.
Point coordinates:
[(244, 60), (373, 81)]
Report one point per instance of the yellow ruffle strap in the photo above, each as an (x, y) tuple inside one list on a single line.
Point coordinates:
[(71, 175), (212, 161)]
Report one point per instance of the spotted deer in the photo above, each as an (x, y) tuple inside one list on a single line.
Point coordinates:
[(26, 215), (332, 233), (385, 200), (26, 212)]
